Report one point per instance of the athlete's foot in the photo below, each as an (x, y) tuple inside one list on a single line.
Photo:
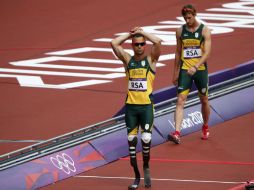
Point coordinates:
[(205, 132), (135, 184), (174, 137), (147, 177)]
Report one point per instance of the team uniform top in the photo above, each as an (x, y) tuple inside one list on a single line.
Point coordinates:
[(140, 82), (192, 47)]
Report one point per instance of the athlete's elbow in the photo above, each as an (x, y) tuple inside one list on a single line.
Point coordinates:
[(207, 54), (158, 41), (114, 43)]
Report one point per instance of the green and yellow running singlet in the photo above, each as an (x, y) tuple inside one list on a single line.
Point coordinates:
[(140, 82), (192, 47)]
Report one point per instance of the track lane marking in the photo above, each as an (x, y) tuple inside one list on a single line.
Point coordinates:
[(197, 161), (18, 141), (164, 179)]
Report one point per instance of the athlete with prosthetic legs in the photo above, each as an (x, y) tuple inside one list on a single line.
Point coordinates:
[(140, 73)]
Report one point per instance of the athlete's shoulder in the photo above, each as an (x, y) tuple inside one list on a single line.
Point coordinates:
[(131, 59), (206, 30), (181, 28), (179, 31), (151, 63)]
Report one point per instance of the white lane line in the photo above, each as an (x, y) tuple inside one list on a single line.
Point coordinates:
[(19, 141), (159, 179)]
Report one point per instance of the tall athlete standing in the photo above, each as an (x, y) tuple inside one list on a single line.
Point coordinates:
[(192, 52), (140, 72)]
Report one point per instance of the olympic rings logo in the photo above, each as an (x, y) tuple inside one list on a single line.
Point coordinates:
[(64, 162)]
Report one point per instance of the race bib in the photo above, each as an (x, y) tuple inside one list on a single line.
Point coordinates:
[(137, 84), (190, 53)]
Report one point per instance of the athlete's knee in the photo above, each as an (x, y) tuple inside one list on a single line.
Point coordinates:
[(204, 99), (181, 100), (146, 137), (132, 139)]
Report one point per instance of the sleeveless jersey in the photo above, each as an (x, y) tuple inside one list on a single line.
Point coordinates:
[(192, 47), (140, 82)]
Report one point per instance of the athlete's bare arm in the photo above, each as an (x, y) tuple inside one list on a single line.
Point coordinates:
[(153, 57), (177, 56), (207, 46), (116, 45)]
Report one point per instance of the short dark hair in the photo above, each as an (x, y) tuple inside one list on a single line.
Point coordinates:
[(188, 9), (138, 35)]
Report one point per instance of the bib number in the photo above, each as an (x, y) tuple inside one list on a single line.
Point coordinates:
[(192, 53), (137, 85)]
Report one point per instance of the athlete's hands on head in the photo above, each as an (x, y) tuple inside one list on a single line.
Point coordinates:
[(136, 30)]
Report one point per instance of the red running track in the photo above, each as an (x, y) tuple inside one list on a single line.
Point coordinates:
[(29, 29)]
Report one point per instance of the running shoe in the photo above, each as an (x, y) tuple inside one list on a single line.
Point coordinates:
[(174, 137), (205, 132)]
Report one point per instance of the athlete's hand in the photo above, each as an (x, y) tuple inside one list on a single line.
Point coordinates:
[(175, 81), (136, 30), (192, 71)]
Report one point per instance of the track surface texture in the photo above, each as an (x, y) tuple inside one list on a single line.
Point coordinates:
[(44, 97)]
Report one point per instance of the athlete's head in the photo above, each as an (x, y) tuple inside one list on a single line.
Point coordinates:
[(189, 14), (188, 9), (138, 43)]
